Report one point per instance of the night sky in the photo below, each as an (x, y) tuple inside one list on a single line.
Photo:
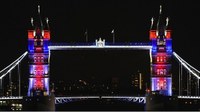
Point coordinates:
[(70, 18)]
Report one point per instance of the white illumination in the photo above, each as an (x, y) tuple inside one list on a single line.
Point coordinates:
[(100, 43), (142, 47), (189, 97), (13, 65), (11, 98), (130, 98), (184, 64)]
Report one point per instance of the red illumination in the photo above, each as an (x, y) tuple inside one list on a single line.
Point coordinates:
[(46, 34), (39, 77), (161, 72), (160, 66), (161, 48), (39, 67), (39, 84), (152, 34), (168, 35), (161, 84), (38, 49), (38, 59), (30, 34), (148, 90), (161, 58), (157, 59)]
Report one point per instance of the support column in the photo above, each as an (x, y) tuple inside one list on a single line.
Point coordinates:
[(19, 79), (49, 59), (187, 79), (179, 72), (189, 84), (1, 87), (198, 87), (10, 82), (179, 80), (1, 83)]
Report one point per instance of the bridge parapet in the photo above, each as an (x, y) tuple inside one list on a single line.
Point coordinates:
[(11, 98), (189, 97)]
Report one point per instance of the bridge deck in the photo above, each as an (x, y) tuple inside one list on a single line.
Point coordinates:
[(137, 46)]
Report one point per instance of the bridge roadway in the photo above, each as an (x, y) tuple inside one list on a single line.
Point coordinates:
[(59, 100), (138, 99)]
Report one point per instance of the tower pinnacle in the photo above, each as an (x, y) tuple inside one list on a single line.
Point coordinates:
[(160, 9), (38, 9)]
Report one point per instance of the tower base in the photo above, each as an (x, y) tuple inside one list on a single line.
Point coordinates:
[(39, 103), (161, 103)]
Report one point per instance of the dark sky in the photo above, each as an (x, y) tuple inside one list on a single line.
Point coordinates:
[(129, 18)]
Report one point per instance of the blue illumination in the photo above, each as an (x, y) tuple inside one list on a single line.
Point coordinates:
[(46, 82), (45, 46), (31, 69), (169, 45), (154, 43), (31, 46), (161, 70), (162, 84), (30, 86), (46, 69), (39, 67), (154, 46)]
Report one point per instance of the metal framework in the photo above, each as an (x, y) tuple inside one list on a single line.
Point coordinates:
[(136, 99)]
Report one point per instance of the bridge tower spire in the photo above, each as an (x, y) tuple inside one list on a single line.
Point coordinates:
[(38, 53), (161, 75)]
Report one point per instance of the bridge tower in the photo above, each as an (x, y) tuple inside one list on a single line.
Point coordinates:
[(38, 54), (161, 74)]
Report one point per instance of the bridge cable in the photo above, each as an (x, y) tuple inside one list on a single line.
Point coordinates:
[(12, 65), (186, 65)]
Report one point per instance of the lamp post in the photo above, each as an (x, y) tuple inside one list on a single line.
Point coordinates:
[(113, 32)]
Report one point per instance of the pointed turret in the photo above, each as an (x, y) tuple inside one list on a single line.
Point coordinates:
[(167, 22), (152, 23), (46, 26), (40, 23), (161, 25), (152, 31), (32, 24)]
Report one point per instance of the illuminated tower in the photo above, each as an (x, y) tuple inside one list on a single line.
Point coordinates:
[(161, 75), (38, 40)]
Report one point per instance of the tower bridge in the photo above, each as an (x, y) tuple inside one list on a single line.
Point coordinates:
[(160, 54)]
